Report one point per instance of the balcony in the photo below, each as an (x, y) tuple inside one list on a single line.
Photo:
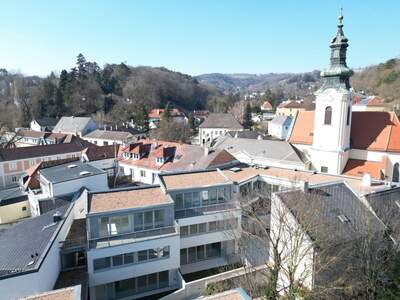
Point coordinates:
[(132, 237), (204, 210)]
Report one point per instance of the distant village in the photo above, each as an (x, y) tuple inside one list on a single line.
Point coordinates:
[(111, 211)]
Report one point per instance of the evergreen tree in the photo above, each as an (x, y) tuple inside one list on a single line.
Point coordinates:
[(247, 122), (167, 113), (81, 64), (192, 122)]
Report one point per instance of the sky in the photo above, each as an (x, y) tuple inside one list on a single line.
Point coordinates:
[(194, 37)]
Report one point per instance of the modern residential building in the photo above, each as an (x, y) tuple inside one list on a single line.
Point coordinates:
[(215, 125), (280, 126), (143, 160), (15, 162), (108, 137), (79, 126), (43, 124)]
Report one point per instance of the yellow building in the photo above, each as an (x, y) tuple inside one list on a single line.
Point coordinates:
[(14, 205), (289, 108)]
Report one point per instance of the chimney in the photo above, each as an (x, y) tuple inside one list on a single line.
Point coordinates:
[(57, 217), (366, 180), (259, 137), (206, 151), (305, 186)]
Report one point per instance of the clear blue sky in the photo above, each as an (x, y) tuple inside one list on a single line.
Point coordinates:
[(194, 37)]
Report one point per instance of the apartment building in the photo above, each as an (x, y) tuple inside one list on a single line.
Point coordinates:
[(215, 125), (15, 162)]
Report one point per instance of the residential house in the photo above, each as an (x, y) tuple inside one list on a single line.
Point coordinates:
[(108, 137), (280, 126), (263, 153), (43, 124), (322, 224), (15, 162), (266, 106), (14, 205), (290, 108), (368, 103), (217, 124), (143, 160), (79, 126), (155, 116), (102, 157)]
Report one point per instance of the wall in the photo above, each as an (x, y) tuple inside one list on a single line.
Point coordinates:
[(44, 279), (12, 212), (93, 183), (149, 178), (208, 134)]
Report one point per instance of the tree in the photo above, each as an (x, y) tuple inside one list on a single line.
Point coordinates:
[(81, 64), (247, 121)]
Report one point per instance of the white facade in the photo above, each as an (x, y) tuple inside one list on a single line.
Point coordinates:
[(140, 174), (279, 130), (331, 141), (207, 135)]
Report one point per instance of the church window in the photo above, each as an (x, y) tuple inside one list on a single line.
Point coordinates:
[(395, 177), (328, 116)]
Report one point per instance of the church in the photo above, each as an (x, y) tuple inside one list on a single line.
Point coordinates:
[(337, 140)]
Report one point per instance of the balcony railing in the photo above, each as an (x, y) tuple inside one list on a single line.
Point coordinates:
[(126, 238), (203, 210)]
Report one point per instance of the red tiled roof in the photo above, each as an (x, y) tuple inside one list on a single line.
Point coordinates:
[(358, 168), (157, 112), (101, 152), (266, 105), (290, 104), (374, 131)]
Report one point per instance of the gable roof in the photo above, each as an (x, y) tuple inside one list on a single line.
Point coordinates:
[(291, 104), (219, 120), (266, 105), (157, 113), (281, 120), (46, 121), (109, 135), (32, 237), (72, 124), (380, 133), (101, 152)]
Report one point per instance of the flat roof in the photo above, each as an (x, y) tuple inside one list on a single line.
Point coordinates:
[(69, 293), (126, 199), (69, 171), (294, 176), (193, 179), (234, 294)]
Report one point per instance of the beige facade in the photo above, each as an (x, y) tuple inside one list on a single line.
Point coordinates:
[(288, 112), (13, 212)]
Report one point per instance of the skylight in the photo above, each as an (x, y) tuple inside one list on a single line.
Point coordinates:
[(72, 166), (85, 173), (343, 218)]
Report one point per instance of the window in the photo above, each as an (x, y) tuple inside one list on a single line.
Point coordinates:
[(202, 227), (196, 199), (119, 225), (200, 252), (212, 226), (103, 227), (14, 179), (163, 279), (193, 229), (153, 253), (148, 220), (105, 143), (179, 201), (395, 176), (101, 263), (142, 255), (129, 258), (328, 116), (23, 208), (159, 218), (138, 221), (188, 200), (125, 287), (142, 173), (213, 196), (324, 169), (117, 260), (184, 257)]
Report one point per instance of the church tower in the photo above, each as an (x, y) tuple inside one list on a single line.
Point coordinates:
[(332, 121)]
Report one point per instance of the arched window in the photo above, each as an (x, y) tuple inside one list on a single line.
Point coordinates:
[(348, 116), (395, 177), (328, 116)]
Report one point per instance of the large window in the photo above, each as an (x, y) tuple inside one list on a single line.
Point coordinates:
[(208, 227), (199, 253), (130, 258), (203, 198), (328, 116)]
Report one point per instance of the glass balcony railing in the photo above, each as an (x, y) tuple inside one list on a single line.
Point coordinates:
[(132, 237), (203, 210)]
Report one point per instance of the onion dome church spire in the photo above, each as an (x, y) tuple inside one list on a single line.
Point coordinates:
[(338, 74)]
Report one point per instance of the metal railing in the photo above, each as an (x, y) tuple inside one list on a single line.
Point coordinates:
[(202, 210), (131, 237)]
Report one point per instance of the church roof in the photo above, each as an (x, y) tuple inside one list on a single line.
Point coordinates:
[(380, 133)]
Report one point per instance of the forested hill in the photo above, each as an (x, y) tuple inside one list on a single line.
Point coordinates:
[(116, 92)]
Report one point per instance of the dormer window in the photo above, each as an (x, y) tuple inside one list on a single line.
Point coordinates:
[(160, 160), (135, 155), (126, 155)]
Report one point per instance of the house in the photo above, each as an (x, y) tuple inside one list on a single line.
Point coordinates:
[(263, 153), (14, 205), (280, 126), (368, 103), (217, 124), (15, 162), (78, 126), (30, 259), (290, 108), (317, 229), (43, 124), (266, 106), (108, 137), (52, 181), (245, 134), (142, 161), (155, 116), (25, 138), (102, 157), (337, 140)]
